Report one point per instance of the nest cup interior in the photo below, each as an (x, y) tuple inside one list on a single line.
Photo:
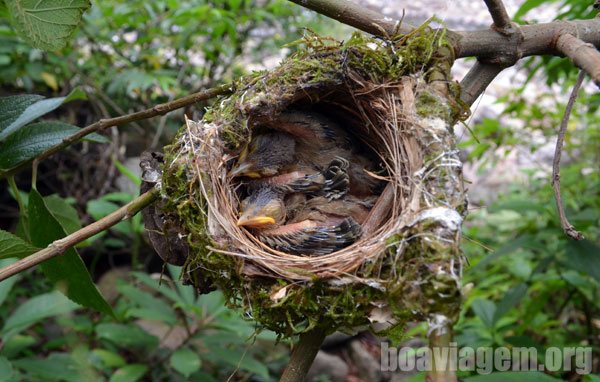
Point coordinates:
[(376, 129)]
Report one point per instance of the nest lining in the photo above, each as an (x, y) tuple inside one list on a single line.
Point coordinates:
[(407, 259)]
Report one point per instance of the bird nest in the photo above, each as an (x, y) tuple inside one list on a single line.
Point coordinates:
[(396, 98)]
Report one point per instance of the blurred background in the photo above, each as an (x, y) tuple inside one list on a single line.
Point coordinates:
[(526, 283)]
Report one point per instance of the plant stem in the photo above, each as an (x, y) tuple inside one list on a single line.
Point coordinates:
[(439, 339), (58, 247), (303, 355)]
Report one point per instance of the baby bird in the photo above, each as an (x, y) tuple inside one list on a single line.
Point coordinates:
[(310, 148), (313, 228)]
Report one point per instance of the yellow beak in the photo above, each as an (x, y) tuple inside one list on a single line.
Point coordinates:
[(255, 222), (244, 169)]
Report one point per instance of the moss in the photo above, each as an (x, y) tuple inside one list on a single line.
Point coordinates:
[(410, 287)]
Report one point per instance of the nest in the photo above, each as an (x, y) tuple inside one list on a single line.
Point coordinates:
[(396, 97)]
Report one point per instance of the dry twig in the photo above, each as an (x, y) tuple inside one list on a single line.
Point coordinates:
[(58, 247), (564, 222)]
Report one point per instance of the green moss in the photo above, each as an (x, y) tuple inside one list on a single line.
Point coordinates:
[(410, 286)]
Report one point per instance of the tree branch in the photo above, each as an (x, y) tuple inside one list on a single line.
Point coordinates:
[(477, 80), (303, 355), (538, 39), (58, 247), (564, 222), (102, 124), (499, 14), (584, 55), (356, 16)]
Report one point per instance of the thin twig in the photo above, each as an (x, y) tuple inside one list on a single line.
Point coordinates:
[(564, 222), (160, 109), (58, 247), (499, 14)]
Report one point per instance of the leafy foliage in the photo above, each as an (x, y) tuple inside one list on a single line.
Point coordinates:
[(46, 24), (196, 338)]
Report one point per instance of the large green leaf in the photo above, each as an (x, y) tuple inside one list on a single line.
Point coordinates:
[(185, 361), (14, 246), (67, 271), (34, 310), (46, 24), (17, 111), (32, 140)]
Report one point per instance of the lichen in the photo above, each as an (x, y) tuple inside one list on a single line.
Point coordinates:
[(415, 275)]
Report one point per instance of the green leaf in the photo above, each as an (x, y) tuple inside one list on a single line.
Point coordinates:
[(163, 288), (126, 335), (584, 256), (14, 246), (511, 246), (17, 111), (586, 286), (591, 378), (46, 24), (6, 370), (149, 306), (513, 376), (185, 361), (6, 285), (134, 178), (36, 309), (15, 344), (485, 310), (510, 300), (129, 373), (67, 271), (65, 213), (57, 367), (237, 358), (185, 291), (32, 140), (108, 358)]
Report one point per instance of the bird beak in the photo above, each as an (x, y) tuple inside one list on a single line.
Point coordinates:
[(243, 169), (255, 222)]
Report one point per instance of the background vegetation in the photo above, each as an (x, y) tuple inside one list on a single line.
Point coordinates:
[(529, 285)]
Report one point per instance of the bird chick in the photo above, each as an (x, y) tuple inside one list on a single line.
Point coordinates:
[(305, 144), (265, 155), (331, 183), (311, 128), (315, 229)]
